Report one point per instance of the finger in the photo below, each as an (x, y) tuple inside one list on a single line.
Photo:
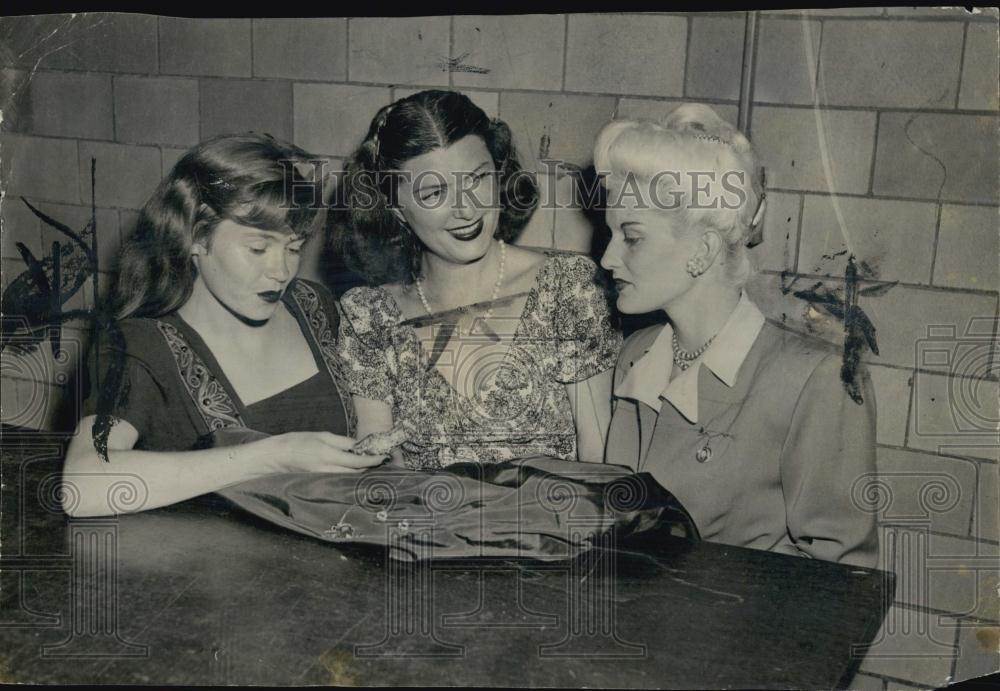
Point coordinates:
[(370, 460), (340, 469), (361, 461), (337, 441)]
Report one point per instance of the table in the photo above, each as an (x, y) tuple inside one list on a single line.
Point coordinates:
[(202, 593)]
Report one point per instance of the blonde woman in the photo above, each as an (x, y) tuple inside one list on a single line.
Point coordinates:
[(746, 423)]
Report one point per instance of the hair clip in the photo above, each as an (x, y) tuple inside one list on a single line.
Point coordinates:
[(711, 138), (378, 128), (219, 182)]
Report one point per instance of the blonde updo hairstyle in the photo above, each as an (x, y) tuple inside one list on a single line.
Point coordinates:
[(692, 138)]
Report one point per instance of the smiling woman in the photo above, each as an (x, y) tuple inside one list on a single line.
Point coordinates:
[(460, 202), (480, 350), (214, 332)]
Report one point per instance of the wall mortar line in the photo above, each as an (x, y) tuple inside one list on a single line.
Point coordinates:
[(961, 64), (687, 53), (565, 50), (936, 241), (871, 168)]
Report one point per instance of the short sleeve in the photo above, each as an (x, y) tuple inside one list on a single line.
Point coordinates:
[(121, 381), (830, 452), (365, 344), (576, 300)]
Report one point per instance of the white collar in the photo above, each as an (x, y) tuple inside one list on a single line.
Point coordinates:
[(649, 378)]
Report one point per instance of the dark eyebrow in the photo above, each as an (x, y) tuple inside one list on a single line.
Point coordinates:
[(273, 235), (629, 223), (432, 186), (439, 185)]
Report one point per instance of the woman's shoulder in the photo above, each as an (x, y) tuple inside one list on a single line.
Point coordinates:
[(564, 264), (133, 333), (306, 287), (784, 343), (371, 298), (569, 275), (793, 356), (370, 308), (145, 343), (313, 298), (313, 306)]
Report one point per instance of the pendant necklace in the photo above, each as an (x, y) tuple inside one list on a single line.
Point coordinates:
[(684, 359)]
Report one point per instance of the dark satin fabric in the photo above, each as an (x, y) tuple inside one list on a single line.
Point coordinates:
[(537, 508)]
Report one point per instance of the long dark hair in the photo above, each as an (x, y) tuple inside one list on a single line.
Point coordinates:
[(374, 242), (251, 179)]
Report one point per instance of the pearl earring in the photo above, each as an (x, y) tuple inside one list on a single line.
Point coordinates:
[(695, 267)]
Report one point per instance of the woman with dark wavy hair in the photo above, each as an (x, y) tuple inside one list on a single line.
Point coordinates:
[(214, 332), (471, 348)]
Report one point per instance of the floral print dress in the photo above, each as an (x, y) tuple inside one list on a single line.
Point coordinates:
[(520, 406)]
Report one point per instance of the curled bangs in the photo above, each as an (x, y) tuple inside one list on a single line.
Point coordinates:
[(268, 207), (253, 180), (665, 165)]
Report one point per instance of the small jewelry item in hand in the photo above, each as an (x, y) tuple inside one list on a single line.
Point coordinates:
[(381, 443)]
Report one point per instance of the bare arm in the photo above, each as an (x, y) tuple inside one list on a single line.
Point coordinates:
[(590, 400), (135, 480), (375, 416)]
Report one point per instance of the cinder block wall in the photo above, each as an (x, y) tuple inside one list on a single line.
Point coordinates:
[(896, 164)]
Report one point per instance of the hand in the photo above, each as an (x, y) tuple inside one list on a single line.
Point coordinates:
[(382, 442), (315, 452)]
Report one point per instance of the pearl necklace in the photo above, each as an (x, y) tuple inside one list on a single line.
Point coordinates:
[(683, 358), (493, 298)]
